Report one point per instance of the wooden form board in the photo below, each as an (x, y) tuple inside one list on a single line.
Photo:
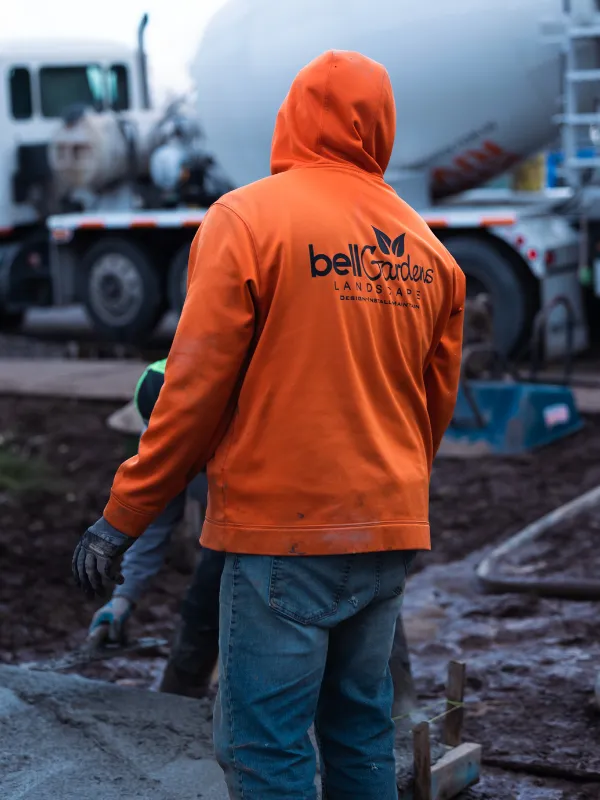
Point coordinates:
[(458, 769)]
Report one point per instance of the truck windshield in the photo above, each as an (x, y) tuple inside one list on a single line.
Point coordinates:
[(118, 87), (61, 87)]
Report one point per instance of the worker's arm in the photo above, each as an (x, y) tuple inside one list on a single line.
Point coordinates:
[(141, 563), (144, 559), (204, 370), (442, 375)]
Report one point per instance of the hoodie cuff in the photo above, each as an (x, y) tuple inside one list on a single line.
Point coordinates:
[(122, 517)]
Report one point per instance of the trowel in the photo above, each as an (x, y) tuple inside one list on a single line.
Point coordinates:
[(94, 649)]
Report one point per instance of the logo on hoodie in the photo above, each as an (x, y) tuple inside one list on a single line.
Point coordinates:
[(381, 268), (385, 243)]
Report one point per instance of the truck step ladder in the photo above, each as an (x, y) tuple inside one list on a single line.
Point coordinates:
[(580, 123)]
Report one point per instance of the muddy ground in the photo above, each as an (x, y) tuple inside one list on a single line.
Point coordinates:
[(531, 668), (70, 457)]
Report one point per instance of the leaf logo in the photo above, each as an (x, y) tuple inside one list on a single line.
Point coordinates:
[(383, 241), (398, 246), (386, 245)]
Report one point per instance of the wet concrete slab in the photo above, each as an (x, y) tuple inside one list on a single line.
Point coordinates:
[(67, 737)]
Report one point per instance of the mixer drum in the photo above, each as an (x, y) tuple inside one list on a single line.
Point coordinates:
[(476, 82), (98, 149)]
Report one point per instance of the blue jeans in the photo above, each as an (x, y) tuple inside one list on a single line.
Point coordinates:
[(303, 640)]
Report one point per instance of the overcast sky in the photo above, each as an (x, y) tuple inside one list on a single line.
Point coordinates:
[(172, 35)]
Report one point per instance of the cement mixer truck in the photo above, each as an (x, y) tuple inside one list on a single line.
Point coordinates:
[(479, 88)]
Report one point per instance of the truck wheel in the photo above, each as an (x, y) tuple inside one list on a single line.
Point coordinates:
[(177, 281), (123, 292), (490, 272)]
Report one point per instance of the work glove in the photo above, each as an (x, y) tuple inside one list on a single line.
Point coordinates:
[(95, 560), (109, 622)]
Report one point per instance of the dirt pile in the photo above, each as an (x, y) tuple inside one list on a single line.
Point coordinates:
[(40, 611)]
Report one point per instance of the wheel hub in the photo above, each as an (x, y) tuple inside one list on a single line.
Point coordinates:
[(116, 289)]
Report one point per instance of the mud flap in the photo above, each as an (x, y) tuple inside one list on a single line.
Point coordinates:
[(25, 278), (8, 254)]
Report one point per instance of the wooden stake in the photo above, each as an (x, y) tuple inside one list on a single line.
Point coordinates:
[(422, 762), (455, 693)]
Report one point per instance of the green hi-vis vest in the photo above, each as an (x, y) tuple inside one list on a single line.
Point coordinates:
[(148, 388)]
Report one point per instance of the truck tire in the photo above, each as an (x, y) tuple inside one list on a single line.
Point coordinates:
[(122, 291), (177, 281), (491, 272)]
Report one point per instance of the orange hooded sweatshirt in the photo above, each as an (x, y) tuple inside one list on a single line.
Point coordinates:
[(316, 362)]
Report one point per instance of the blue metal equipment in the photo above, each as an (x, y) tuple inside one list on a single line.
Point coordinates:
[(509, 415)]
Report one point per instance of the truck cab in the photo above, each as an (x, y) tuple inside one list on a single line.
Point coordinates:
[(39, 81)]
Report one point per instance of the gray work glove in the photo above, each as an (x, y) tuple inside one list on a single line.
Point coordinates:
[(95, 559)]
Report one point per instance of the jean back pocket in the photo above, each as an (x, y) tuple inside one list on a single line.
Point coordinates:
[(308, 589)]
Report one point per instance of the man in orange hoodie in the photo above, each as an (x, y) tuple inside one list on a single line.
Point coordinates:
[(327, 320)]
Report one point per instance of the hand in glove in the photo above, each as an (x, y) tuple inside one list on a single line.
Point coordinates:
[(96, 556), (109, 622)]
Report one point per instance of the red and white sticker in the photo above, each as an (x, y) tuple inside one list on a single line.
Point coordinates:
[(558, 414)]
